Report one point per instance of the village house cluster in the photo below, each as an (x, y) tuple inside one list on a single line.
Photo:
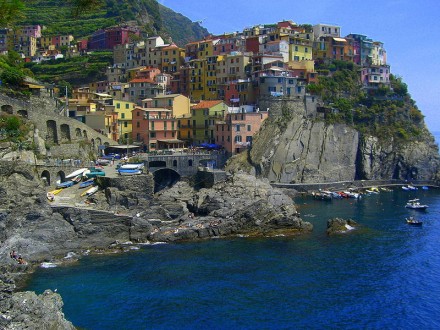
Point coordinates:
[(162, 96)]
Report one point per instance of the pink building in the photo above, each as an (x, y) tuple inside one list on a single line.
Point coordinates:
[(32, 31), (155, 128), (375, 75), (235, 133)]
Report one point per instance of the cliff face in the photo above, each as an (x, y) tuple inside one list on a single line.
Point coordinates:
[(307, 150)]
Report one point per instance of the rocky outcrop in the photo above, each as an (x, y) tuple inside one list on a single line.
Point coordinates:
[(305, 150), (340, 226), (241, 205)]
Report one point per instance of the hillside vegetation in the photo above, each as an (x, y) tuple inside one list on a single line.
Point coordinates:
[(383, 112), (60, 17)]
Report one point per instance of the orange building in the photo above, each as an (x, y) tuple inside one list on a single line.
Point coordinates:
[(156, 128)]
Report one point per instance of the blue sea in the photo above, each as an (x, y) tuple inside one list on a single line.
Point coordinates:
[(384, 275)]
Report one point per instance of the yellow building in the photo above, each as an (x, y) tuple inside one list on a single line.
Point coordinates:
[(301, 47), (172, 58), (197, 79), (124, 109), (178, 103)]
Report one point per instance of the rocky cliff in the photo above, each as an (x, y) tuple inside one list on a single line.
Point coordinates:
[(306, 150), (125, 210)]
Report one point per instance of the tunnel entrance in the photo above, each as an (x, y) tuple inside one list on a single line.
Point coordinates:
[(165, 178)]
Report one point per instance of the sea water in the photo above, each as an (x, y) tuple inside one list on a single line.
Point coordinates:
[(383, 275)]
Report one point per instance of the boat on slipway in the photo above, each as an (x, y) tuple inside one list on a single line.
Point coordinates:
[(90, 191), (87, 183), (415, 205), (129, 171), (76, 173)]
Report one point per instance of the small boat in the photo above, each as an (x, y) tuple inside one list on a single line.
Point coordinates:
[(415, 204), (56, 191), (371, 191), (65, 184), (323, 196), (93, 172), (131, 166), (90, 191), (76, 173), (385, 189), (87, 183), (351, 194), (409, 188), (413, 222), (129, 171), (425, 188), (103, 161)]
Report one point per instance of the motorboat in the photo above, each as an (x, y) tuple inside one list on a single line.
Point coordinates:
[(409, 188), (87, 183), (413, 222), (415, 204)]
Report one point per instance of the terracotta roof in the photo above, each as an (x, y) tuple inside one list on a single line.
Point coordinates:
[(206, 104), (141, 80)]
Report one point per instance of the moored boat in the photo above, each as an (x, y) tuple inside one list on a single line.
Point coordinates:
[(413, 222), (415, 204), (129, 171), (137, 166)]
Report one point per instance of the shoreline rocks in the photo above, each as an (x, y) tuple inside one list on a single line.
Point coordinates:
[(340, 226)]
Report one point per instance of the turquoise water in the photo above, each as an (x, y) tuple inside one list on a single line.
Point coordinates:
[(383, 276)]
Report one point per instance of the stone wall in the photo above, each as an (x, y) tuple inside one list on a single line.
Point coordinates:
[(293, 105), (63, 135)]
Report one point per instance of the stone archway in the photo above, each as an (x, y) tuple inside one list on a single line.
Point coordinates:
[(45, 176), (164, 178), (98, 141), (61, 176), (8, 109), (52, 133), (78, 133), (65, 133)]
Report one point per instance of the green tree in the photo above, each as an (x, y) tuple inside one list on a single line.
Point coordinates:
[(11, 11)]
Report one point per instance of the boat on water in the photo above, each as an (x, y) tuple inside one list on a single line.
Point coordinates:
[(87, 183), (76, 173), (90, 191), (352, 194), (413, 222), (415, 205), (323, 196), (409, 187)]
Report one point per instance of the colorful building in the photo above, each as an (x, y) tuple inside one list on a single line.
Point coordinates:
[(204, 116), (155, 128), (235, 132), (124, 111)]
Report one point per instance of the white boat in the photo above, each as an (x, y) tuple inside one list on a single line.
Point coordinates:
[(129, 171), (415, 204), (76, 173), (132, 166), (90, 191)]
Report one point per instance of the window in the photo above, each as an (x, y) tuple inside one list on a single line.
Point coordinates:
[(125, 124), (190, 162), (237, 128), (152, 134), (118, 105), (237, 138), (249, 128), (138, 124), (122, 115), (127, 106)]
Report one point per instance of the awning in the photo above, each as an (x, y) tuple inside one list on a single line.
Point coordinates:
[(171, 141), (340, 39)]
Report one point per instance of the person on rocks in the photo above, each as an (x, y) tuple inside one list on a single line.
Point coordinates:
[(21, 261), (13, 255)]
